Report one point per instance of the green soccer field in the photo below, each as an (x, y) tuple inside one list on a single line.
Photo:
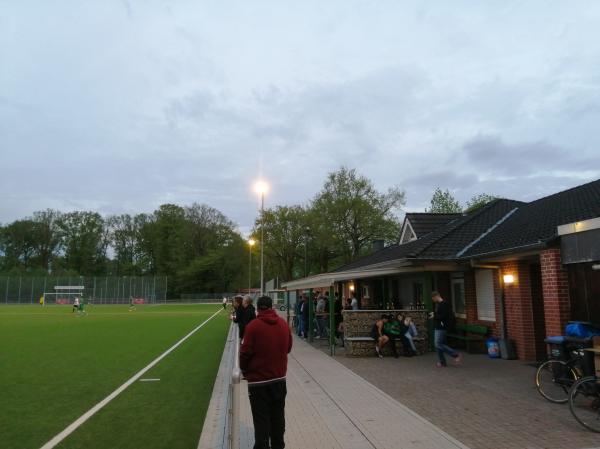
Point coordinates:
[(56, 365)]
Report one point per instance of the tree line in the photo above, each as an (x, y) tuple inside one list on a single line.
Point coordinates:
[(340, 224), (201, 250), (197, 246)]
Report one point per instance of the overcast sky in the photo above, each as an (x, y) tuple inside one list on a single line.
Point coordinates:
[(120, 106)]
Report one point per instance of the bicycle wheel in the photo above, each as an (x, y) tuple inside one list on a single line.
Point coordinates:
[(584, 402), (553, 380)]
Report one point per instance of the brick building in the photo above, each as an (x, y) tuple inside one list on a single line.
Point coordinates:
[(533, 266)]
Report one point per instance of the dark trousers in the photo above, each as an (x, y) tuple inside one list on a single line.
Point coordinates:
[(268, 414)]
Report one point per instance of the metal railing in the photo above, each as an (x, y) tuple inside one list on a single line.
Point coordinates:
[(234, 393)]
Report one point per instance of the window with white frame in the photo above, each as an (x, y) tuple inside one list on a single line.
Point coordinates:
[(458, 295), (484, 288)]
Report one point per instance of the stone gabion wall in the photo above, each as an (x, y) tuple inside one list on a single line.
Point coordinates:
[(358, 323)]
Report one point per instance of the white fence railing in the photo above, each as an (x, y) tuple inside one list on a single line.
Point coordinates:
[(234, 394)]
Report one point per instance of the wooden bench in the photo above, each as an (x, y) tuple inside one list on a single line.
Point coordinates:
[(469, 333), (365, 346)]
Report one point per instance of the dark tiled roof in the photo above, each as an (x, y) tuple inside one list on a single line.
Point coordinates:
[(501, 225), (445, 242), (423, 223), (536, 222), (472, 227)]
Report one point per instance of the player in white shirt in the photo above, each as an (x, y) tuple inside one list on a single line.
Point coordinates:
[(75, 304)]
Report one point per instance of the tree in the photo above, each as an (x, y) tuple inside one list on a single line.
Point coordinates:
[(284, 233), (84, 241), (17, 244), (124, 236), (167, 233), (356, 212), (208, 228), (47, 236), (442, 202), (479, 201)]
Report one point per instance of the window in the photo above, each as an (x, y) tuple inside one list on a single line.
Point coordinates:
[(484, 287), (365, 292), (458, 295)]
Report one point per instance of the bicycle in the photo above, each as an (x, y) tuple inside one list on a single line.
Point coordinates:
[(555, 377), (584, 402)]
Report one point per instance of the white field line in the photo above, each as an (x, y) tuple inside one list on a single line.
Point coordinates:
[(87, 415), (96, 313), (149, 380)]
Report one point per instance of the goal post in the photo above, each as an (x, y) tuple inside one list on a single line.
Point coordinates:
[(63, 294)]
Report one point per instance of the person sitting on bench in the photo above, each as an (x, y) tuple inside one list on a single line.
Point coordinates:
[(377, 334), (411, 332), (396, 330)]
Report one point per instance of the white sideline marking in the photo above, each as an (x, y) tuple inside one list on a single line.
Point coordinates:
[(87, 415), (149, 380)]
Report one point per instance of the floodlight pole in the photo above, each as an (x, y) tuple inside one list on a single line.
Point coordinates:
[(262, 241), (249, 267)]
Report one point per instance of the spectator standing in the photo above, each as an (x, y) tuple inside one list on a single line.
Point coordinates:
[(320, 312), (442, 321), (263, 361), (298, 313), (353, 302), (245, 314), (305, 310)]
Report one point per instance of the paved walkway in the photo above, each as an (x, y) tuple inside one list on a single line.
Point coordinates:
[(330, 407), (485, 403)]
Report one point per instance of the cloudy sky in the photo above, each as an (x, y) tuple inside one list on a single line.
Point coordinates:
[(119, 106)]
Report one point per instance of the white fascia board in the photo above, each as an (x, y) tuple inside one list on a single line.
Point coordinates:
[(579, 226)]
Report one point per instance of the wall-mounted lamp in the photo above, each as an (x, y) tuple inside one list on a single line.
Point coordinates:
[(351, 287), (508, 279)]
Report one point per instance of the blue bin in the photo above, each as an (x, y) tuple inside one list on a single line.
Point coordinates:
[(493, 348)]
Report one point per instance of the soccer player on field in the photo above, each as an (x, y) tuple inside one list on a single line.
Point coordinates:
[(82, 307), (75, 304), (131, 304)]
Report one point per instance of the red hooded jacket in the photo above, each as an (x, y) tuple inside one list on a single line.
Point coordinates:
[(263, 355)]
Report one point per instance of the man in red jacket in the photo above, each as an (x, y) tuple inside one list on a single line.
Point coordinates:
[(263, 361)]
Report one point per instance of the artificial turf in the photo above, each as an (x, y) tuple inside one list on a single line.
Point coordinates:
[(55, 365)]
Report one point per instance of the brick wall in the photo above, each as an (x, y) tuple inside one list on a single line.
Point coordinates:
[(555, 287), (519, 309), (471, 303)]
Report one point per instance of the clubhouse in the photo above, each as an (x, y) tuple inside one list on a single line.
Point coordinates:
[(523, 270)]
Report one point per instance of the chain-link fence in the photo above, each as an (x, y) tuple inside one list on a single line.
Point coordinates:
[(99, 290), (203, 297)]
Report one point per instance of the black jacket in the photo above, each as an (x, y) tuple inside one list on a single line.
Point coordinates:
[(243, 316), (443, 316)]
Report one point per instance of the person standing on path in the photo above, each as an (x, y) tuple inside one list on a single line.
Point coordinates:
[(443, 319), (263, 361), (248, 313)]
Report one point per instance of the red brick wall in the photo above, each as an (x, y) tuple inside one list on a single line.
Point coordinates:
[(555, 287), (519, 309), (471, 303)]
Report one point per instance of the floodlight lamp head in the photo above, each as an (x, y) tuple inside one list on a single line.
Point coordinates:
[(261, 187), (251, 242)]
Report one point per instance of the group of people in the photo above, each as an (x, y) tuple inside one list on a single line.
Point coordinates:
[(321, 310), (266, 341), (243, 312), (389, 329)]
